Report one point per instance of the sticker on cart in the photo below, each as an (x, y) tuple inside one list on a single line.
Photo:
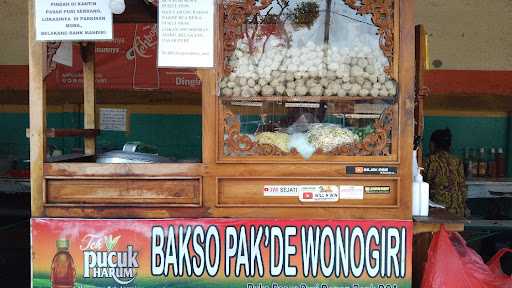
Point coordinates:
[(351, 192), (281, 190), (371, 170), (319, 193), (377, 189)]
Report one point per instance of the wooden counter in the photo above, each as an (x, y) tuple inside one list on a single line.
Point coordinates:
[(489, 187), (490, 225), (436, 218)]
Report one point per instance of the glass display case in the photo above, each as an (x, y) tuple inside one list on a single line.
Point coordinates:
[(307, 80)]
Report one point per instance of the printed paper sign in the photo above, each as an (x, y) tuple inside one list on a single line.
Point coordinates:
[(319, 193), (113, 119), (351, 192), (221, 253), (185, 32), (60, 20), (281, 190)]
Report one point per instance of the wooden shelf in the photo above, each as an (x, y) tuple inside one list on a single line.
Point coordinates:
[(308, 98), (58, 133)]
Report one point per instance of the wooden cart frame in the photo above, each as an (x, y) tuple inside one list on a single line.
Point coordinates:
[(213, 188)]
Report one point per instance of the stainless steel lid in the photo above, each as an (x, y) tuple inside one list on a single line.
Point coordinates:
[(129, 155)]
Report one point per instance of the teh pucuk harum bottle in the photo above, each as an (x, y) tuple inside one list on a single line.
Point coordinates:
[(63, 267)]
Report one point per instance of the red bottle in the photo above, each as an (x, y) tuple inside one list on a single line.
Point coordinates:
[(63, 267)]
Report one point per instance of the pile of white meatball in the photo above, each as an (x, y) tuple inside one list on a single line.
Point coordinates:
[(312, 70)]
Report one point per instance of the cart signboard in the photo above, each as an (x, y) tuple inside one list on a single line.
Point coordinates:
[(221, 253)]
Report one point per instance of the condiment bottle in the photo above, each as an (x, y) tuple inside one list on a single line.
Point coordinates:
[(482, 164), (491, 163), (500, 163), (468, 163), (474, 164)]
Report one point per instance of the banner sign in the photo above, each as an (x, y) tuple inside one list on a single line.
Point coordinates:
[(58, 20), (128, 62), (221, 253)]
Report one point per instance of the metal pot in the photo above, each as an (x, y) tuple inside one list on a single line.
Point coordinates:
[(129, 154)]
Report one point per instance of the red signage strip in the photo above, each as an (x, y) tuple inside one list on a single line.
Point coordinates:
[(129, 62), (469, 82), (13, 77)]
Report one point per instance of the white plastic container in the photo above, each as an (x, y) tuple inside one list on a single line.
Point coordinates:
[(416, 199), (425, 198), (420, 190), (416, 187)]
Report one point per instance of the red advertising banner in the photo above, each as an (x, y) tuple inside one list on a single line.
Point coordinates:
[(221, 253), (127, 62)]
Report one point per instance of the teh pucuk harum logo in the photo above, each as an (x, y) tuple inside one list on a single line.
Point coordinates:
[(101, 260)]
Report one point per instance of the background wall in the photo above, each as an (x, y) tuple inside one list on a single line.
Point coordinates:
[(468, 34), (177, 136), (464, 34), (13, 32)]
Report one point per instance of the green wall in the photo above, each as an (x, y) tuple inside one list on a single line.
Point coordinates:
[(180, 135), (177, 136), (13, 139), (472, 132)]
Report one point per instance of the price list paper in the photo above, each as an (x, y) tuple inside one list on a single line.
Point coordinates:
[(61, 20), (185, 33), (112, 119)]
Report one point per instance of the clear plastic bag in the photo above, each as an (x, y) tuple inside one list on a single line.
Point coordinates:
[(327, 136), (302, 124)]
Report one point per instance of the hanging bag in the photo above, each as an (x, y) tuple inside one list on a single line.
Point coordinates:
[(451, 263)]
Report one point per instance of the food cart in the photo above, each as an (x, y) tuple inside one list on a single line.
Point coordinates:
[(307, 134)]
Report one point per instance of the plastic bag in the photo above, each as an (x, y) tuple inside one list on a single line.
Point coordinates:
[(302, 123), (451, 263), (327, 136)]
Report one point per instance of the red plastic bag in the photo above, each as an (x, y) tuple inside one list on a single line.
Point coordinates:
[(452, 264), (495, 265)]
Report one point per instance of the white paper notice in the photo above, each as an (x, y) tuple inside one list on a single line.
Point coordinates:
[(351, 192), (60, 20), (113, 119), (185, 33)]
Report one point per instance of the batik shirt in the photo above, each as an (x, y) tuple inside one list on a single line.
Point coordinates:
[(445, 174)]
